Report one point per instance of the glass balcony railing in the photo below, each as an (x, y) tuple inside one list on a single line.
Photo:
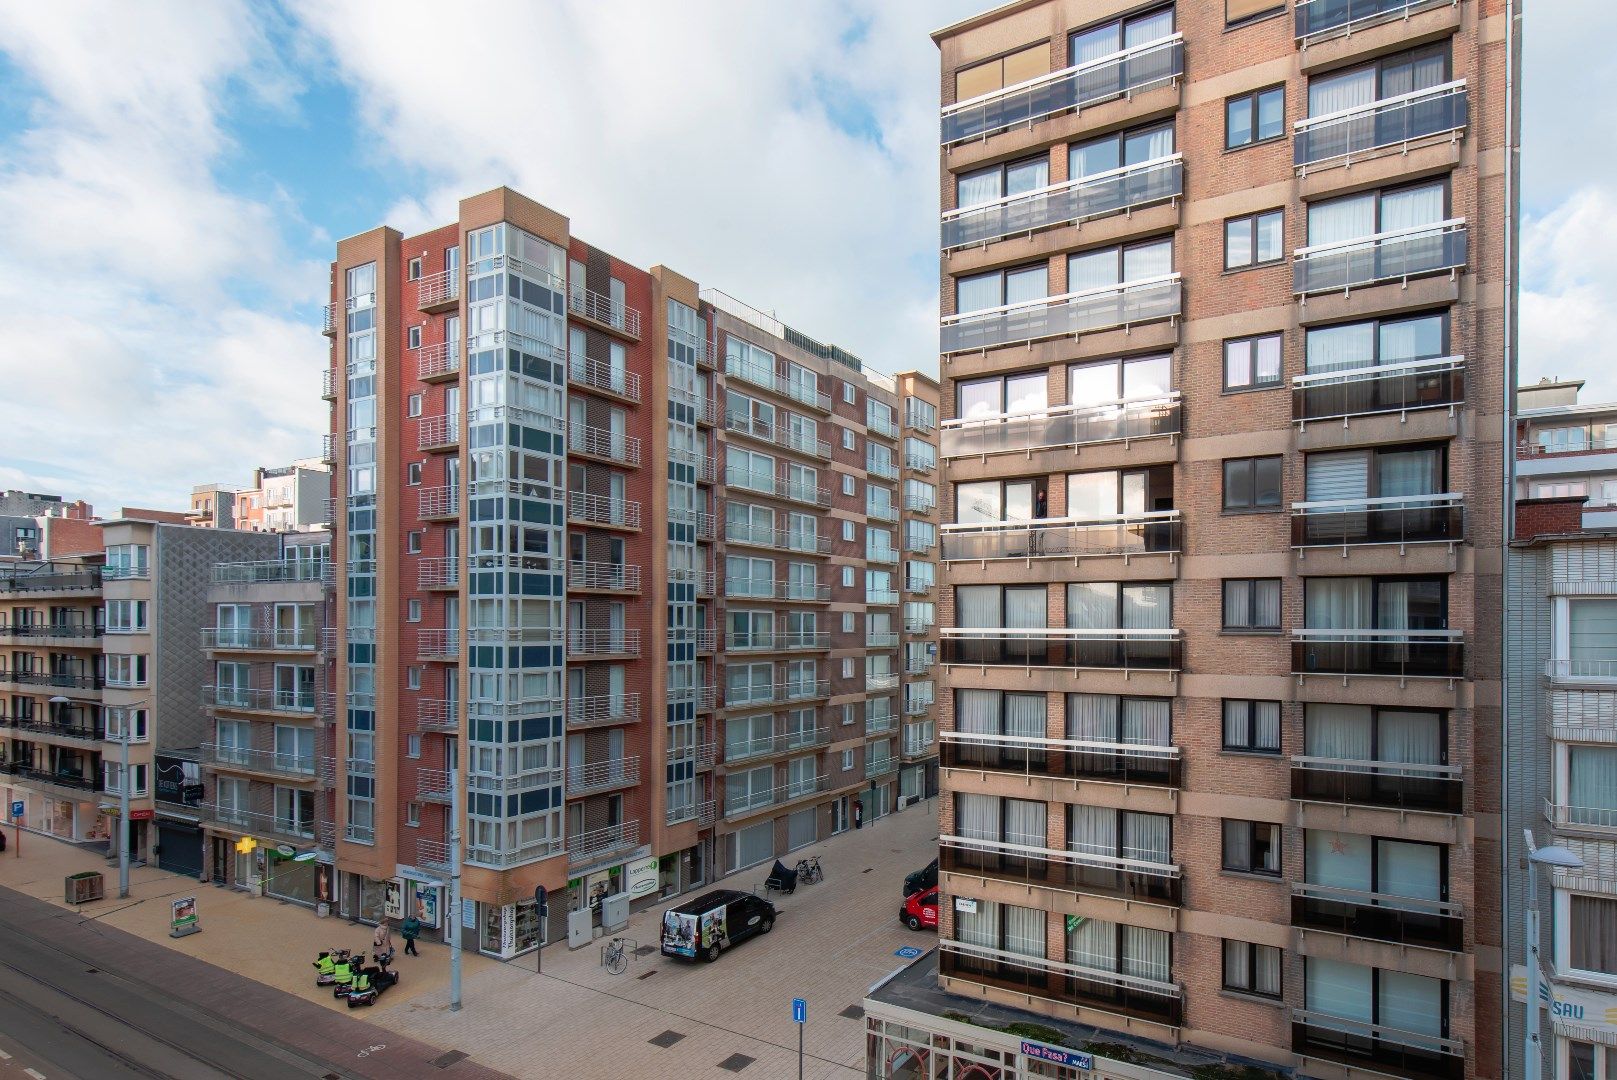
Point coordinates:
[(1146, 300), (1410, 519), (1062, 426), (1069, 984), (1064, 538), (1377, 1047), (1159, 650), (1389, 256), (1402, 653), (1128, 878), (1316, 18), (1131, 71), (1379, 388), (1379, 125), (1129, 188), (1062, 759), (1393, 784), (1403, 920), (1569, 669)]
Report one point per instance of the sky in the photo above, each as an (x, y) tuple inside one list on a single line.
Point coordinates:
[(174, 176)]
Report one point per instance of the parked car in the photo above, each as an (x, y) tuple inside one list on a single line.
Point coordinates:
[(920, 911), (705, 927), (922, 880)]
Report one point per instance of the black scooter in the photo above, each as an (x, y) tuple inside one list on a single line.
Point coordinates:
[(781, 879), (381, 976)]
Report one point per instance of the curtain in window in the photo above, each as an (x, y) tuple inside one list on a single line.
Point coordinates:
[(1338, 220), (1405, 869), (1409, 472), (1417, 73), (1148, 28), (1340, 860), (1025, 608), (1091, 158), (1147, 261), (1337, 348), (978, 188), (1337, 731), (1092, 830), (1024, 823), (1266, 977), (1147, 953), (1412, 339), (976, 817), (1096, 43), (1147, 607), (980, 927), (1092, 270), (1236, 599), (1024, 285), (1025, 715), (1237, 964), (976, 605), (1592, 625), (1238, 844), (976, 712), (1339, 989), (981, 398), (1024, 930), (1592, 776), (1409, 207), (1334, 93), (977, 292), (1092, 717), (1266, 724), (1411, 1002), (1148, 145), (1147, 721), (1594, 934), (1337, 604), (1092, 495), (1093, 944), (1414, 737), (1092, 605), (1148, 837), (1392, 609)]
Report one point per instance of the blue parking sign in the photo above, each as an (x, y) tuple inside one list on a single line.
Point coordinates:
[(799, 1011), (16, 809)]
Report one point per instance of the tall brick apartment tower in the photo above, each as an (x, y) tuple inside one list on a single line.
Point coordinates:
[(620, 556), (1222, 369)]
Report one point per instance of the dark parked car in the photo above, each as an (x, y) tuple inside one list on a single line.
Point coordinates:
[(921, 879), (713, 922)]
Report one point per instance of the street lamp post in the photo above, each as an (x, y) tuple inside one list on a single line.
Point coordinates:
[(1555, 857)]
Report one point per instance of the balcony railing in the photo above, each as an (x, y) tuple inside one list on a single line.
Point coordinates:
[(1061, 759), (881, 597), (433, 785), (1146, 300), (438, 572), (881, 639), (1399, 785), (273, 824), (437, 361), (881, 680), (781, 486), (442, 501), (118, 572), (1319, 18), (1056, 647), (1567, 669), (438, 714), (603, 509), (1403, 920), (437, 290), (75, 685), (604, 443), (1155, 533), (86, 633), (438, 432), (918, 463), (758, 589), (791, 742), (880, 766), (499, 858), (603, 576), (300, 702), (328, 384), (771, 379), (1129, 188), (433, 856), (1395, 255), (766, 693), (777, 435), (1381, 125), (1144, 880), (740, 532), (603, 775), (19, 580), (604, 310), (272, 570), (1377, 1047), (435, 643), (1091, 988), (301, 639), (881, 512), (1563, 816), (1131, 71), (602, 710), (738, 804), (300, 766), (583, 371), (1063, 426), (599, 842), (1401, 653), (783, 641), (603, 642), (1402, 519), (1379, 388), (328, 318)]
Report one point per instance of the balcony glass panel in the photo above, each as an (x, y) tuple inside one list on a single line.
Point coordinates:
[(1132, 879), (1385, 123), (1093, 196), (1143, 300), (1387, 256), (1066, 425), (1419, 519), (1403, 653), (1064, 759), (1126, 534), (1379, 388), (1316, 17)]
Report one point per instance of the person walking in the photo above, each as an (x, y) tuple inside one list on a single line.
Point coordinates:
[(858, 814), (410, 930), (382, 940)]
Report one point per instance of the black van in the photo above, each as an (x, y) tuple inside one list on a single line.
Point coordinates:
[(921, 880), (711, 923)]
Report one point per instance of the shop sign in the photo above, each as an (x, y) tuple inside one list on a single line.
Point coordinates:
[(1059, 1055), (640, 877), (286, 851), (393, 899), (508, 929), (1570, 1004), (146, 814), (183, 917)]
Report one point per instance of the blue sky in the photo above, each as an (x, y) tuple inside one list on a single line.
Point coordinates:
[(176, 175)]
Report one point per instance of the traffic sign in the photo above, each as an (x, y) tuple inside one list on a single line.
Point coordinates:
[(17, 808), (799, 1011), (908, 952)]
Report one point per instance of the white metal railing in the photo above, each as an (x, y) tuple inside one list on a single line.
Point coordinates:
[(777, 435), (760, 589), (301, 639), (1378, 125), (268, 761), (1319, 18), (1563, 667), (1394, 255), (600, 376), (780, 641), (588, 845), (436, 642), (770, 379), (603, 709), (740, 532), (440, 501), (1072, 971), (746, 802), (249, 819), (603, 509), (602, 309), (600, 775), (604, 443), (436, 432), (440, 288), (433, 785), (765, 693), (1153, 867), (1390, 901), (438, 572), (1565, 816), (881, 639), (745, 749), (609, 576), (881, 680), (437, 714), (610, 641), (328, 318), (1095, 195), (438, 360)]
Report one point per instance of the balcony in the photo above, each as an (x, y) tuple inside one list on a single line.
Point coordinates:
[(438, 292), (1061, 759), (593, 576), (441, 715), (79, 733), (770, 379), (776, 435), (293, 702), (879, 424), (606, 445), (881, 512), (434, 785), (438, 503), (702, 697), (328, 448), (603, 775), (806, 592), (1088, 988), (1384, 126), (1407, 519), (438, 363), (598, 843), (54, 634), (1318, 18), (603, 311), (245, 759), (785, 641), (1070, 314), (328, 385), (1395, 255), (606, 642), (1396, 785), (881, 597), (878, 681), (438, 433), (260, 639), (917, 463), (328, 319), (880, 723), (603, 710), (433, 856), (707, 640), (779, 486), (881, 639), (1400, 653), (272, 570), (1376, 1047), (437, 644), (1402, 920), (700, 521), (1596, 820), (1130, 188), (1156, 533), (741, 804), (438, 572), (705, 466), (1062, 427), (264, 824), (769, 693), (919, 665), (42, 579), (1380, 388), (792, 742), (1157, 650), (74, 785), (594, 375), (497, 858), (740, 532), (1079, 87), (1071, 871), (603, 510), (1565, 671)]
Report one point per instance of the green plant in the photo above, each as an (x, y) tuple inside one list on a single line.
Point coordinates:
[(957, 1017), (1117, 1052), (1036, 1032)]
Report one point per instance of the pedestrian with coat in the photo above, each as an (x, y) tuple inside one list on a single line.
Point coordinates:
[(410, 930), (382, 940)]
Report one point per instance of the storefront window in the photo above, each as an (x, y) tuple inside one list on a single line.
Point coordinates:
[(291, 880)]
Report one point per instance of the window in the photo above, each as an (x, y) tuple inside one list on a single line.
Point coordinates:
[(1336, 221), (1254, 118), (413, 405), (1252, 484), (1017, 67), (1110, 267), (1253, 240), (1119, 151), (1372, 343), (847, 714), (1094, 42), (849, 531), (412, 814), (1002, 181), (1591, 934), (413, 473), (113, 772), (414, 612), (1002, 288), (412, 678), (1391, 76), (1252, 847), (1365, 995), (1251, 969), (847, 667), (413, 337), (412, 746), (412, 543), (128, 616), (1252, 726), (1252, 363), (1130, 379), (850, 441), (1591, 784), (920, 414), (847, 760), (850, 486), (1019, 394), (414, 272), (126, 670), (847, 577), (1252, 604)]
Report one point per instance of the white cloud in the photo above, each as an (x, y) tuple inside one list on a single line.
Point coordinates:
[(1569, 278)]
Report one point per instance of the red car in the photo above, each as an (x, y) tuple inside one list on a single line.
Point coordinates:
[(920, 911)]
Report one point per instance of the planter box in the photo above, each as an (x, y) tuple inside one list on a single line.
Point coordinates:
[(82, 888)]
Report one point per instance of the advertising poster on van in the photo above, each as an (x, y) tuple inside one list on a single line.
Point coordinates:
[(715, 927), (679, 934)]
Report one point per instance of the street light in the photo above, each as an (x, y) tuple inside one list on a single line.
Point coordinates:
[(1555, 857)]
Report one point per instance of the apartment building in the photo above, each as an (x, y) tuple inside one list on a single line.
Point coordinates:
[(1561, 736), (1220, 681), (213, 506), (543, 619), (289, 498)]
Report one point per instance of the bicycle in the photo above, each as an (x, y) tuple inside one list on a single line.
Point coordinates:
[(614, 958), (808, 870)]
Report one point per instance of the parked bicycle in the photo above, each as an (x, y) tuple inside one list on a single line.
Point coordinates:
[(808, 870), (614, 956)]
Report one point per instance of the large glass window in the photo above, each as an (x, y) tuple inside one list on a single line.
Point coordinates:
[(1002, 181), (1021, 393), (1592, 934), (1366, 344), (1333, 221), (1391, 76), (1094, 42), (1001, 288), (1131, 378), (1396, 999), (1119, 150), (1106, 267)]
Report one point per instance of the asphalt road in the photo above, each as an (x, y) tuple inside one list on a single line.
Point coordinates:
[(62, 1017)]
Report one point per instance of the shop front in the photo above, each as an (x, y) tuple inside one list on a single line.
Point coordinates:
[(414, 894), (363, 898), (290, 874), (64, 819), (508, 930)]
